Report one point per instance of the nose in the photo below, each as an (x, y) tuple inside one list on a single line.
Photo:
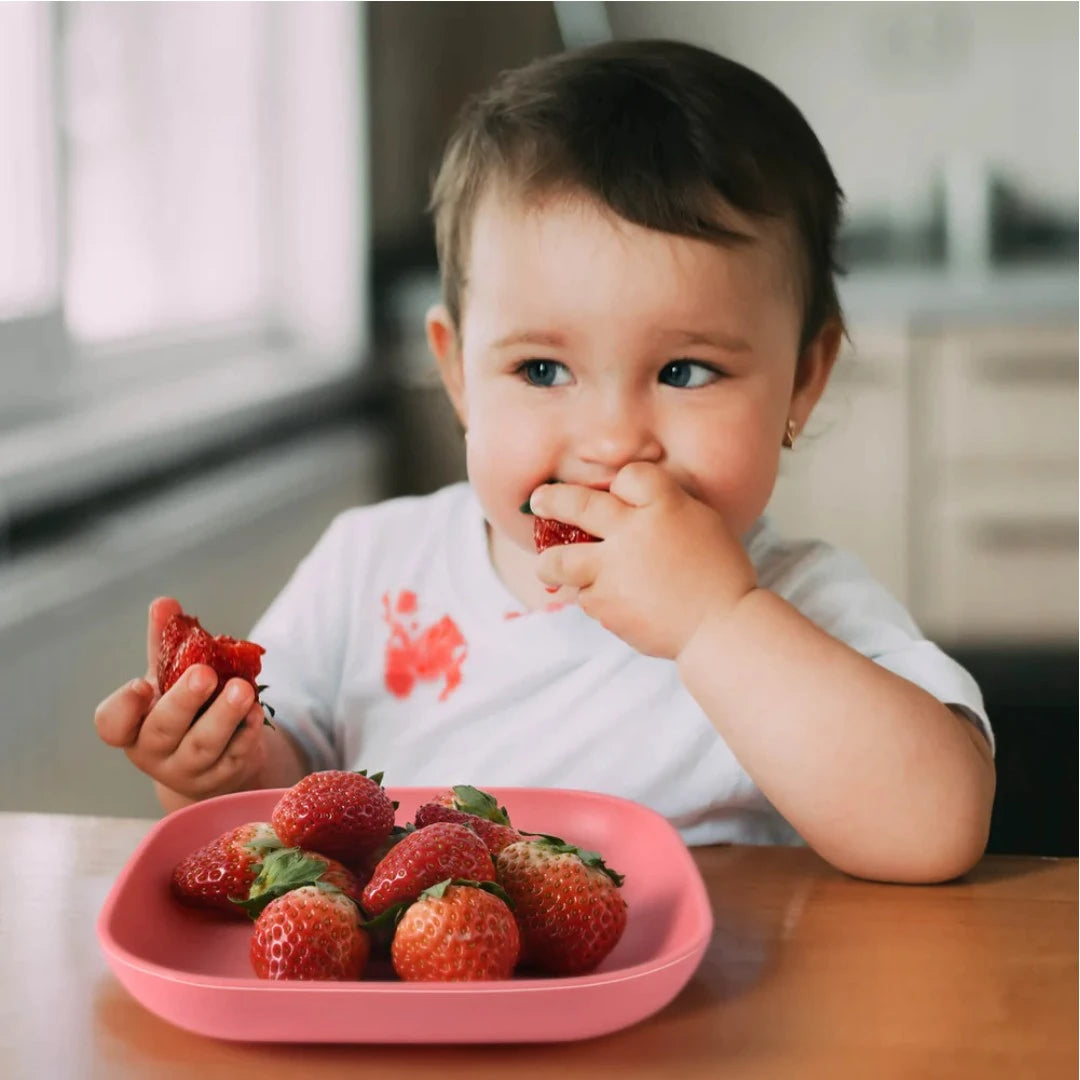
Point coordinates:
[(615, 430)]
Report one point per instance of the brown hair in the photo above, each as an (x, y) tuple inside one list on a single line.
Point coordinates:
[(663, 133)]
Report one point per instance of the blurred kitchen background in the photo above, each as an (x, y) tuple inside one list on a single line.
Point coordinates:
[(215, 258)]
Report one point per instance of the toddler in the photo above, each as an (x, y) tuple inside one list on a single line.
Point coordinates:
[(636, 244)]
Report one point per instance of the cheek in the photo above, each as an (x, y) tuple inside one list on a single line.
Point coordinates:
[(506, 458), (731, 467)]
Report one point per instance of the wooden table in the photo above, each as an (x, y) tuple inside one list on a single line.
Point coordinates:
[(809, 974)]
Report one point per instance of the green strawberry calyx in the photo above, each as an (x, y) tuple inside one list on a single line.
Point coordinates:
[(375, 777), (470, 800), (392, 915), (268, 710), (263, 842), (556, 846), (438, 890), (282, 871)]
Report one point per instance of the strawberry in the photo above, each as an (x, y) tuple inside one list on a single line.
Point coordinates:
[(345, 815), (365, 867), (477, 809), (424, 858), (566, 902), (548, 533), (292, 868), (312, 932), (457, 931), (184, 642), (224, 869)]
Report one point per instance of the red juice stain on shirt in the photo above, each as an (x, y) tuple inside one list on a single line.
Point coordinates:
[(421, 654)]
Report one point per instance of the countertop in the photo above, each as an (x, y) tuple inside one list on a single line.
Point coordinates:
[(931, 296)]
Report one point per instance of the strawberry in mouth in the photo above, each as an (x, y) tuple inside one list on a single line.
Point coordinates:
[(547, 532)]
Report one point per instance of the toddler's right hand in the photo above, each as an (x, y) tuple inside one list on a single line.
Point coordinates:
[(160, 735)]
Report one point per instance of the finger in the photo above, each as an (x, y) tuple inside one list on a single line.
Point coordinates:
[(117, 717), (642, 483), (169, 720), (233, 763), (161, 611), (569, 564), (209, 736), (597, 512)]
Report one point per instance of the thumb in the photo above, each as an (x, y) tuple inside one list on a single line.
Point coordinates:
[(161, 611)]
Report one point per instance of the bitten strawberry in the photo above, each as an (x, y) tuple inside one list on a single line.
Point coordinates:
[(424, 858), (313, 932), (566, 901), (292, 868), (225, 869), (184, 642), (548, 533), (457, 931), (470, 806), (345, 815)]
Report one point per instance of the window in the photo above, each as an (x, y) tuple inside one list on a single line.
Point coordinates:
[(166, 151), (27, 269), (177, 180)]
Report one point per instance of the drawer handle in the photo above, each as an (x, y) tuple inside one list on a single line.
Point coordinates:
[(1047, 534), (1032, 369)]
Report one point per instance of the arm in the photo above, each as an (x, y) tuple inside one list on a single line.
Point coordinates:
[(877, 776)]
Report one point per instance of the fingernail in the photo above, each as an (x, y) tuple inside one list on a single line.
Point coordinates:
[(200, 682), (238, 694), (139, 686), (525, 508)]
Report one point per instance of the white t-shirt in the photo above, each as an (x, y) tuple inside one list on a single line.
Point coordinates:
[(395, 647)]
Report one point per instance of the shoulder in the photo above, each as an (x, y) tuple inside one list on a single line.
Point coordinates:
[(787, 564), (407, 523), (829, 585), (365, 547), (408, 513), (834, 589)]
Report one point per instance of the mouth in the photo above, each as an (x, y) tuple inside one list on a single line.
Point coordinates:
[(605, 486), (525, 508)]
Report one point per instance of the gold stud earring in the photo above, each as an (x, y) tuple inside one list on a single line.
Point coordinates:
[(788, 441)]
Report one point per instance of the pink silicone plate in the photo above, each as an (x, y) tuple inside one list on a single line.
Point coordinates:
[(192, 969)]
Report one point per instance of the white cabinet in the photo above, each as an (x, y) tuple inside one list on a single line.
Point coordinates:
[(994, 463), (846, 480), (947, 460)]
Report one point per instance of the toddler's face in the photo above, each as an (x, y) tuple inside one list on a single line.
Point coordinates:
[(587, 343)]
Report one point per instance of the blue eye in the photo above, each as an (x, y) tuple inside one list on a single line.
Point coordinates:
[(544, 372), (688, 374)]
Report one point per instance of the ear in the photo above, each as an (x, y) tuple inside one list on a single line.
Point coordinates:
[(442, 339), (813, 371)]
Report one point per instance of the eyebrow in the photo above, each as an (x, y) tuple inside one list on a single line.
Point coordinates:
[(717, 339), (679, 338), (531, 337)]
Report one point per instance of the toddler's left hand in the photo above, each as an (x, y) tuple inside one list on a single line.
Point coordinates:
[(664, 562)]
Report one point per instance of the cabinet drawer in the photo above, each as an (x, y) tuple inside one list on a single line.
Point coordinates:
[(994, 570), (1003, 396)]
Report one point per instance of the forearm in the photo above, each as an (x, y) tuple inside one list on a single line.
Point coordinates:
[(875, 774), (283, 763)]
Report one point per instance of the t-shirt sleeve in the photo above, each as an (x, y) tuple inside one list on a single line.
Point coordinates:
[(304, 633), (835, 590)]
